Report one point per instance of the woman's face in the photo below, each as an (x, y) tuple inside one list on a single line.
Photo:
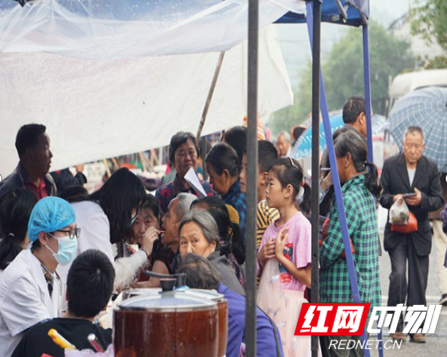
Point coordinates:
[(274, 192), (143, 221), (221, 183), (193, 241), (185, 157), (171, 223)]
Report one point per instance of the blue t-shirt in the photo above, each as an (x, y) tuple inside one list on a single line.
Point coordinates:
[(265, 341)]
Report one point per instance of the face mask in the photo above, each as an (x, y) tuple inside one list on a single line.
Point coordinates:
[(68, 248)]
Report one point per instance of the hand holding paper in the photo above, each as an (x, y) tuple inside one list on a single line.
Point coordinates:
[(193, 180)]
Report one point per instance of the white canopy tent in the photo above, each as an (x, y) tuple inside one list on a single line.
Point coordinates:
[(101, 96)]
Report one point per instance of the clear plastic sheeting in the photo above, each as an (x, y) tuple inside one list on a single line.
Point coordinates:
[(100, 109), (362, 5), (120, 29)]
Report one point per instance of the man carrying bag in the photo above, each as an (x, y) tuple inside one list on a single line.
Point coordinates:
[(414, 178)]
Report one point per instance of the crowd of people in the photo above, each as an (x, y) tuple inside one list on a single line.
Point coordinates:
[(64, 252)]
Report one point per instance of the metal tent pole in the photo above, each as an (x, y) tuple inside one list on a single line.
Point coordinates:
[(368, 108), (336, 180), (367, 79), (315, 159), (252, 153)]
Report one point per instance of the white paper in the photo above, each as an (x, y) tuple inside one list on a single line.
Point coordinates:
[(192, 178)]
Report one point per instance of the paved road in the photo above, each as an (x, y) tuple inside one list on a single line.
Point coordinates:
[(437, 343)]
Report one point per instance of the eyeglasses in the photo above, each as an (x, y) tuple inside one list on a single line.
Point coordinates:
[(72, 234)]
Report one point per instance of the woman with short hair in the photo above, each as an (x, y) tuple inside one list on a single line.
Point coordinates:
[(231, 236), (223, 166), (199, 234), (183, 155)]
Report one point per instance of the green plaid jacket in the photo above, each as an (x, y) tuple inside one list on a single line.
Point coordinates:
[(362, 227)]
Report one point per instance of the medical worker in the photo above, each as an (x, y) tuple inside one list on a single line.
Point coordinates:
[(30, 289)]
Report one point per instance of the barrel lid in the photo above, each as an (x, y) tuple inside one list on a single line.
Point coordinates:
[(140, 291), (206, 294), (171, 301)]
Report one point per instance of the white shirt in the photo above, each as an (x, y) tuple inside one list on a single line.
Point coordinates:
[(289, 151), (95, 234), (411, 173), (24, 300)]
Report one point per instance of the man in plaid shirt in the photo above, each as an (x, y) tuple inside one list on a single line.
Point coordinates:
[(360, 184)]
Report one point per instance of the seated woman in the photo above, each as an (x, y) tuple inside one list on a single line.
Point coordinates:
[(163, 258), (147, 226), (223, 167), (106, 218), (231, 237), (199, 235), (15, 210), (183, 155), (200, 274)]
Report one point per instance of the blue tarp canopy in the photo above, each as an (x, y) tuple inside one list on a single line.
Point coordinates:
[(355, 9)]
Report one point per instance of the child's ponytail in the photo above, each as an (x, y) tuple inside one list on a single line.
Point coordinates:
[(306, 199)]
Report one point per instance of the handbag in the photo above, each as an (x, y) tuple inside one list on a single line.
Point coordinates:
[(410, 227)]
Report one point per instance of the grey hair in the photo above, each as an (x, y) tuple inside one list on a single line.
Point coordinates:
[(184, 204), (413, 130), (206, 223), (286, 135), (200, 274), (348, 140)]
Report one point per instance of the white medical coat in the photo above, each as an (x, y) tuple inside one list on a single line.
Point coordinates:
[(95, 234), (24, 300)]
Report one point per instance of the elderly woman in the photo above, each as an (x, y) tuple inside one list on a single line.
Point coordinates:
[(223, 166), (231, 236), (183, 155), (360, 185), (199, 235)]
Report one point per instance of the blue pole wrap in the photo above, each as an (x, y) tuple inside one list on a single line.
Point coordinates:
[(336, 181)]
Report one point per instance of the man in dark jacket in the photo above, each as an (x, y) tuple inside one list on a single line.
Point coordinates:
[(33, 147), (65, 179), (410, 172)]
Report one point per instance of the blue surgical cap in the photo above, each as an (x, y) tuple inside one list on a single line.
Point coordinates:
[(49, 215)]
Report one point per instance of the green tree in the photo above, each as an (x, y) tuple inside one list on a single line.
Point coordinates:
[(429, 19), (343, 74)]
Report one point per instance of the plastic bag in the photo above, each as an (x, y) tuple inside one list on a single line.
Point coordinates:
[(399, 213), (270, 292)]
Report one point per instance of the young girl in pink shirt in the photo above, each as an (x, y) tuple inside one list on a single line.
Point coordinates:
[(285, 255)]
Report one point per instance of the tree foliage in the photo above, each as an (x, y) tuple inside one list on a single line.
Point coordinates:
[(429, 19), (343, 74)]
